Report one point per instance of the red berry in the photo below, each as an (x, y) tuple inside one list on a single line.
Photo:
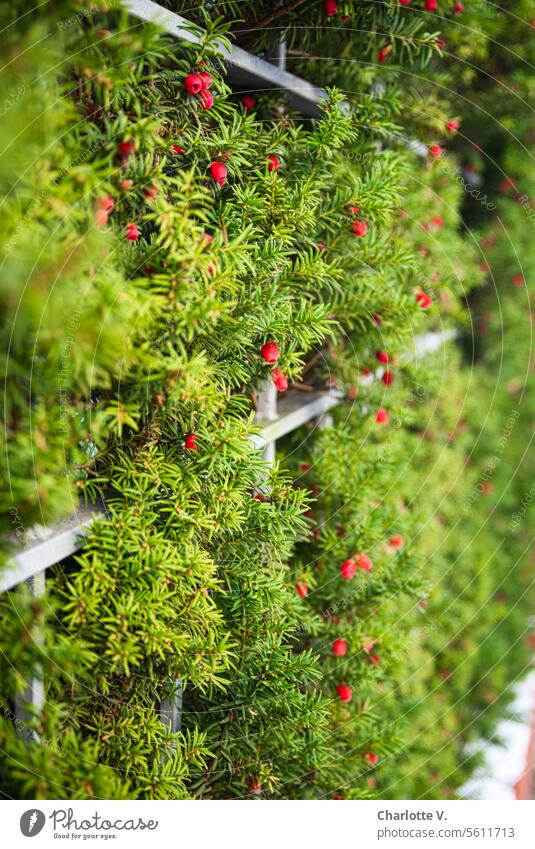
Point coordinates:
[(340, 647), (273, 163), (382, 55), (219, 172), (279, 379), (126, 184), (330, 7), (424, 300), (100, 217), (373, 660), (360, 228), (348, 569), (302, 589), (518, 279), (247, 101), (270, 352), (431, 5), (435, 151), (381, 416), (132, 233), (190, 442), (345, 692), (354, 209), (321, 247), (254, 785), (458, 8), (106, 203), (441, 43), (397, 541), (150, 192), (193, 84), (404, 2), (177, 149), (377, 319), (387, 378), (207, 99), (363, 562), (452, 125), (205, 79), (126, 147), (382, 356), (372, 758)]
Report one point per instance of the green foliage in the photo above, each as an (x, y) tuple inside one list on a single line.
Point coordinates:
[(115, 351)]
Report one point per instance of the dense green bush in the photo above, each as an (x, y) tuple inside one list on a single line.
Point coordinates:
[(139, 285)]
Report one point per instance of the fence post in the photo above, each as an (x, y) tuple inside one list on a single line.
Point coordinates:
[(34, 692)]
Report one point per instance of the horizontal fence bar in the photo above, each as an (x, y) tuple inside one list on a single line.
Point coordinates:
[(244, 69), (47, 546), (293, 411)]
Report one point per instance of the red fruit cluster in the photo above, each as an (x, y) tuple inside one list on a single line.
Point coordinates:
[(431, 5), (423, 300), (151, 192), (397, 541), (363, 562), (248, 102), (381, 416), (518, 279), (458, 8), (254, 785), (382, 357), (193, 84), (387, 377), (435, 151), (273, 163), (452, 125), (360, 228), (270, 352), (302, 589), (330, 7), (190, 442), (198, 84), (339, 647), (219, 172), (371, 757), (177, 149), (132, 233), (103, 207), (279, 379), (344, 692), (383, 54), (125, 148), (349, 567)]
